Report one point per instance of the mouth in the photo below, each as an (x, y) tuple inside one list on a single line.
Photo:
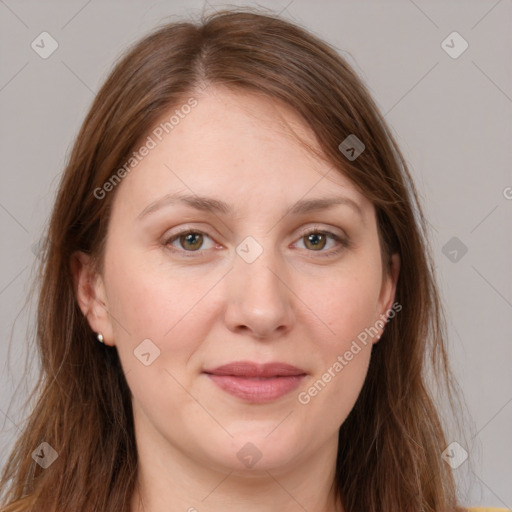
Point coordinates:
[(256, 383)]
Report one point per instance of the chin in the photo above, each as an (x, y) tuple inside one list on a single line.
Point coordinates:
[(253, 454)]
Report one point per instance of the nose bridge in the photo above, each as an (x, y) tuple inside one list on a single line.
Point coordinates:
[(258, 298), (257, 266)]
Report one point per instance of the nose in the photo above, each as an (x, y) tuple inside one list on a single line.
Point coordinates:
[(259, 298)]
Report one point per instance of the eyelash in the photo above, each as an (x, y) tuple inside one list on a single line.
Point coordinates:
[(344, 243)]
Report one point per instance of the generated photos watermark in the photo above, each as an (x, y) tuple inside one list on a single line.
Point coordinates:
[(304, 397), (152, 142)]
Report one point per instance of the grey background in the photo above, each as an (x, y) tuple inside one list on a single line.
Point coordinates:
[(452, 119)]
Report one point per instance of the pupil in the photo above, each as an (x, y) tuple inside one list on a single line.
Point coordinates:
[(190, 238), (312, 237)]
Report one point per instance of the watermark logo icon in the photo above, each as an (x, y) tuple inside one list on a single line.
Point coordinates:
[(454, 249), (37, 247), (249, 249), (352, 147), (249, 454), (45, 455), (454, 45), (146, 352), (44, 45), (454, 455)]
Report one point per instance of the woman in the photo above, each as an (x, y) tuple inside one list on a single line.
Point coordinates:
[(237, 303)]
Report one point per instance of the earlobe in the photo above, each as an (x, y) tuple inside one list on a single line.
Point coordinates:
[(90, 295)]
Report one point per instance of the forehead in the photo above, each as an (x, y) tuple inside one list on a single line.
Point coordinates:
[(234, 144)]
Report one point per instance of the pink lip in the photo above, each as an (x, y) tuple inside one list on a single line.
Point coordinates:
[(257, 383)]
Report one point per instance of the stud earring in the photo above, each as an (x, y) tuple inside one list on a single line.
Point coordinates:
[(100, 337)]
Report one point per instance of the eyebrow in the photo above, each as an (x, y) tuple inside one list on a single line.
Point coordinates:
[(210, 204)]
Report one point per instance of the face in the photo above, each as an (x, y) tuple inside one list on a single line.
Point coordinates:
[(251, 274)]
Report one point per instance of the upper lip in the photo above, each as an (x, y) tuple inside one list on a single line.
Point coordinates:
[(252, 369)]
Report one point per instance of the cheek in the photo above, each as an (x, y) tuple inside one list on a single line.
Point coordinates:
[(346, 308), (343, 355), (150, 297), (146, 304)]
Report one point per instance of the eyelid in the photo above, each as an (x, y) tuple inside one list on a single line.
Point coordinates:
[(316, 228)]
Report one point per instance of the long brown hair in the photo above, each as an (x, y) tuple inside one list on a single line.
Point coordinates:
[(389, 455)]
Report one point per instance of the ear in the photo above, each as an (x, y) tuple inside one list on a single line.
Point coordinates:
[(387, 293), (90, 294)]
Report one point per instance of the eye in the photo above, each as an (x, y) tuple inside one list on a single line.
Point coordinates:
[(189, 241), (316, 240), (192, 241)]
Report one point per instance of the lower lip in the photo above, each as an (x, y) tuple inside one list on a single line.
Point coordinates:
[(257, 390)]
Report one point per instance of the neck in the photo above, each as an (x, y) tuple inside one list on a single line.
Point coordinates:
[(172, 479)]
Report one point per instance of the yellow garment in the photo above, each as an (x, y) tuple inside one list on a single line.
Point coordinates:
[(489, 509)]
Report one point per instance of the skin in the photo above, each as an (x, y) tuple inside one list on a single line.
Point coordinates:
[(291, 304)]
